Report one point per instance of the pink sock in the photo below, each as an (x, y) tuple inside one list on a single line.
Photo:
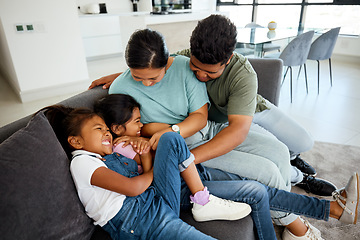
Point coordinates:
[(201, 197)]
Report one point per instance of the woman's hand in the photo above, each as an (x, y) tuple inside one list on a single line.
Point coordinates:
[(154, 140)]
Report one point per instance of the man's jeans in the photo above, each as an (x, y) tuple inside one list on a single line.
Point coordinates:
[(284, 128)]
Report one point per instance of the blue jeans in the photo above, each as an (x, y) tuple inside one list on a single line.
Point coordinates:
[(154, 214), (260, 197), (260, 157)]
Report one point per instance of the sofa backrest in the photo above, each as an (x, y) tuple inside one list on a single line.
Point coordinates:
[(269, 73)]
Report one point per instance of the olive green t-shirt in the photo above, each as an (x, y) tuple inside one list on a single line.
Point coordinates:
[(235, 91)]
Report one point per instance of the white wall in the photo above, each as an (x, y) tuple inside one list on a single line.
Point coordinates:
[(48, 61), (348, 46)]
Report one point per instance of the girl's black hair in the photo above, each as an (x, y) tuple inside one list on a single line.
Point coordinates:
[(67, 121), (146, 49), (116, 109), (213, 40)]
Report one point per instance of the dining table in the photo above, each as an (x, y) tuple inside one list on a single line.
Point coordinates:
[(257, 37)]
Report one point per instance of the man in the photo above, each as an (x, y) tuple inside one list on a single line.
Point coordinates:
[(246, 134)]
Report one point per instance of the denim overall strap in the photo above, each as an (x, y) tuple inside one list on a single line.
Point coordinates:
[(122, 165)]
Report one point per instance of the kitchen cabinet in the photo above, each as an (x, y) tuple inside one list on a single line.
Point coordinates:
[(101, 35)]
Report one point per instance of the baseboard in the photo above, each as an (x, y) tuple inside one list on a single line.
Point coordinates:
[(101, 57), (346, 58), (53, 91)]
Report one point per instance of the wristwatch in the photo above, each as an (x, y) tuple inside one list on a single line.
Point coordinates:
[(175, 128)]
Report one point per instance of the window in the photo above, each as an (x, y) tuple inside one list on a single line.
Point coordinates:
[(279, 1), (329, 16), (239, 15), (289, 17), (296, 13)]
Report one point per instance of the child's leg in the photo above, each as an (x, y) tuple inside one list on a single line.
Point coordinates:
[(173, 155), (167, 225), (192, 178), (171, 152)]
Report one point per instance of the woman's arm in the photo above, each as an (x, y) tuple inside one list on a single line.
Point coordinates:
[(106, 81), (113, 181), (193, 123)]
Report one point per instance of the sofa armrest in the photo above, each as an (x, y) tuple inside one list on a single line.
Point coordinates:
[(269, 72)]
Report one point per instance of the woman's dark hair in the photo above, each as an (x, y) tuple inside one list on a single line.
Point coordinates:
[(116, 109), (213, 40), (67, 121), (146, 49)]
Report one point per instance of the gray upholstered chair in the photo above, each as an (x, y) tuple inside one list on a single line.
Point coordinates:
[(267, 47), (322, 49), (295, 54)]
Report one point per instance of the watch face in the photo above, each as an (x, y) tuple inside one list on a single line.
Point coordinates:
[(175, 128)]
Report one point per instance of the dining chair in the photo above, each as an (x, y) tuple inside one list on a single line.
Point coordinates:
[(267, 47), (295, 54), (322, 49)]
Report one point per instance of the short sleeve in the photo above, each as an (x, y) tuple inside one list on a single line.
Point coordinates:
[(82, 168)]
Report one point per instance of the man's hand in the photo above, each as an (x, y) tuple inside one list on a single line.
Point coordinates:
[(106, 81)]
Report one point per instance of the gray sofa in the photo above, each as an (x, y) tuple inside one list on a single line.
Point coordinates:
[(38, 196)]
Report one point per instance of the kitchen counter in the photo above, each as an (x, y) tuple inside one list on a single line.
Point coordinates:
[(150, 19)]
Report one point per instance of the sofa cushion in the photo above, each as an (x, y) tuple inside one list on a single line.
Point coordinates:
[(38, 196)]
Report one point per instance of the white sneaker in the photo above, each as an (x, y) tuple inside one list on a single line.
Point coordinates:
[(220, 209), (312, 233)]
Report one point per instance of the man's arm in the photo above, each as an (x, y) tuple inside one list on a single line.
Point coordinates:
[(226, 140), (106, 80)]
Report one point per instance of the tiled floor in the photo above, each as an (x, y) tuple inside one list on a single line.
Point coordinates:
[(332, 116)]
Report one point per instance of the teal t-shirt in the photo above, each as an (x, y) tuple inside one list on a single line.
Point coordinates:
[(168, 101)]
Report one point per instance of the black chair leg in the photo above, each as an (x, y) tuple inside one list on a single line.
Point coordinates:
[(284, 75), (330, 71), (290, 84), (306, 82), (318, 76), (299, 72)]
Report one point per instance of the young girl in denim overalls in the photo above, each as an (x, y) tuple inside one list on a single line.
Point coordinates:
[(125, 203)]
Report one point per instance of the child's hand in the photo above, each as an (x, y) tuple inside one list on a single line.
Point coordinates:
[(124, 139), (141, 145)]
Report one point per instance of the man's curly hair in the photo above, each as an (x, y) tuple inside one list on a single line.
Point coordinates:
[(213, 40)]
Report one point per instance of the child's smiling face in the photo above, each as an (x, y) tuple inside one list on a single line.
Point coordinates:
[(133, 126), (95, 137)]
